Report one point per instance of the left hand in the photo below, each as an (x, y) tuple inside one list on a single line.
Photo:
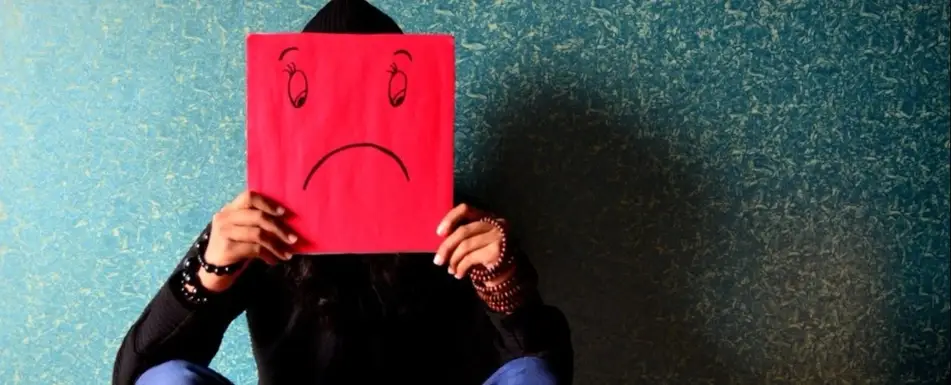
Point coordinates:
[(468, 244)]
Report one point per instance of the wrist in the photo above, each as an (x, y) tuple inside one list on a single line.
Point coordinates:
[(502, 277), (501, 285), (215, 283), (507, 292), (201, 279), (216, 277)]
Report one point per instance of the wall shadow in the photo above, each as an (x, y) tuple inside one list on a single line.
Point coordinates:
[(618, 225)]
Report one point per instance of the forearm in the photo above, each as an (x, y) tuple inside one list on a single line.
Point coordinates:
[(531, 328), (536, 329), (171, 327)]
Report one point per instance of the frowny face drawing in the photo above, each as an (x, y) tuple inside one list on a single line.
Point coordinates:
[(353, 134)]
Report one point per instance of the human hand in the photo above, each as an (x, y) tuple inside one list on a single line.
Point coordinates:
[(470, 242), (247, 228)]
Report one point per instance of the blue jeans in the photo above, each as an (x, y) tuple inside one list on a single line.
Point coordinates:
[(520, 371)]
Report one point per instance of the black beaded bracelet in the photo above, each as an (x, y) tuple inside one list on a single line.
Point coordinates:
[(211, 268), (190, 286)]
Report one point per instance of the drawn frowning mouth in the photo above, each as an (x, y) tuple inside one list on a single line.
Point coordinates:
[(297, 94), (340, 149)]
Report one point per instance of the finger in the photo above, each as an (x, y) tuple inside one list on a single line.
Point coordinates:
[(243, 200), (449, 244), (456, 215), (484, 256), (253, 249), (460, 234), (249, 199), (467, 246), (257, 235), (252, 217), (267, 205)]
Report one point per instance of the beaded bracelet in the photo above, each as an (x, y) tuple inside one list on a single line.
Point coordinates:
[(481, 287), (513, 291), (505, 302), (482, 274), (190, 285), (189, 278), (509, 295), (211, 268)]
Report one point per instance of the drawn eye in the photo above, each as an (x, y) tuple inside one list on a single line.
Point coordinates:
[(397, 86), (296, 85)]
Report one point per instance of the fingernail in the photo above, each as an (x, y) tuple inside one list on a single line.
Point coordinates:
[(450, 271), (288, 256), (280, 211), (292, 238), (437, 260), (441, 229)]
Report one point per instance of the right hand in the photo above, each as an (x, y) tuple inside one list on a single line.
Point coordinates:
[(247, 228)]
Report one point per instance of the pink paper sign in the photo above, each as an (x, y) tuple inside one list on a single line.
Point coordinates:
[(353, 134)]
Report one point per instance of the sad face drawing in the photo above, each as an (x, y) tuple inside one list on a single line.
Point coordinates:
[(396, 94), (353, 134)]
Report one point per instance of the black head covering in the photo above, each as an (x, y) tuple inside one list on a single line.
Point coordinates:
[(351, 16)]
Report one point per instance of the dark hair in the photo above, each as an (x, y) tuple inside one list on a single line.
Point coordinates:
[(351, 16), (344, 285), (331, 285)]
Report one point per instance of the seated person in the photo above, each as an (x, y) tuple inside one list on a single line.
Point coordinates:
[(471, 314)]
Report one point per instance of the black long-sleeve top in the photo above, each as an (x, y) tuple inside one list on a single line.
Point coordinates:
[(448, 336)]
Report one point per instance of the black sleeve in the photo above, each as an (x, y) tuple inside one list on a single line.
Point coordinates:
[(535, 329), (171, 328)]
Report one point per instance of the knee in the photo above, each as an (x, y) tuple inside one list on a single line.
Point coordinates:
[(524, 370), (177, 372)]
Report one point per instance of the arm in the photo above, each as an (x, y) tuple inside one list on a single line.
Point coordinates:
[(172, 328), (535, 329), (476, 246)]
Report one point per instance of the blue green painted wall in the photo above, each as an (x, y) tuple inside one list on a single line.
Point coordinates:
[(732, 191)]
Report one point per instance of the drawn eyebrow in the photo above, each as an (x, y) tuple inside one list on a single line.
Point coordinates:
[(378, 147), (404, 53), (286, 50)]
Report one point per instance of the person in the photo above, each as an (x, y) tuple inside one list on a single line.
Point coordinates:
[(470, 314)]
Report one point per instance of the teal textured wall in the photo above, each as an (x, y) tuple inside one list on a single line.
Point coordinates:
[(715, 191)]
